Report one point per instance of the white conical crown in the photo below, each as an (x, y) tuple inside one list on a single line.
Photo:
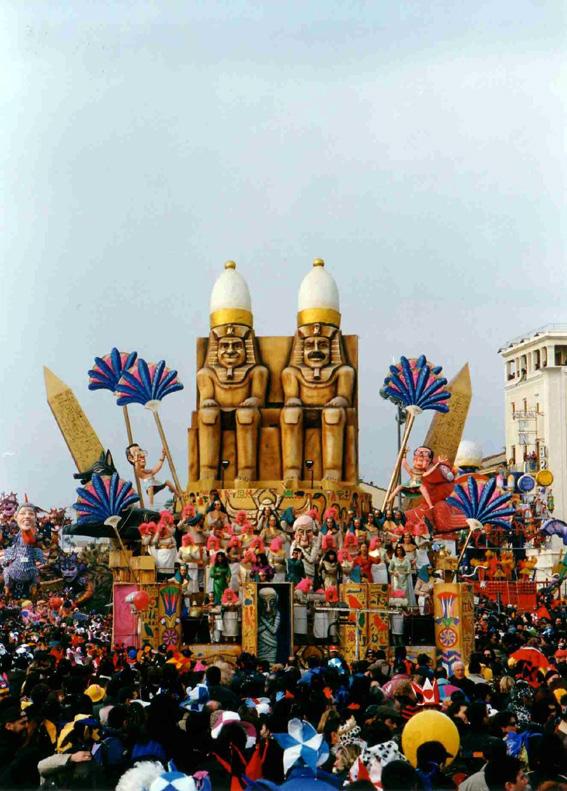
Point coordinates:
[(318, 300), (469, 454), (230, 299)]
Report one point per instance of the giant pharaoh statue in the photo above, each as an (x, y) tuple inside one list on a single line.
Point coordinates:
[(275, 409)]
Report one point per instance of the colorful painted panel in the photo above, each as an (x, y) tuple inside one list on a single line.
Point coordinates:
[(378, 622), (250, 618), (152, 626), (353, 635), (124, 621), (467, 620), (149, 620), (453, 616), (169, 615)]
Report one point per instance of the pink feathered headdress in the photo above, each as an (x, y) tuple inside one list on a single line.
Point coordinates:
[(187, 540), (147, 528), (164, 529), (240, 517), (304, 585), (350, 540), (373, 542), (276, 544), (229, 597), (234, 542), (166, 517), (188, 511), (257, 544), (331, 595), (249, 557), (213, 543), (328, 542), (343, 555), (313, 513), (332, 513), (248, 528)]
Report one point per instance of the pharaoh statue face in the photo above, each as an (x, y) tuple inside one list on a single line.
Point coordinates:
[(231, 352), (317, 351)]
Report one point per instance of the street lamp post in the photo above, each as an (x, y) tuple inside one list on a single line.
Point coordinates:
[(224, 464), (401, 417), (309, 465)]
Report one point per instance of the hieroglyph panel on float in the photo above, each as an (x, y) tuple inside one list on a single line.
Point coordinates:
[(158, 624), (353, 635), (453, 608)]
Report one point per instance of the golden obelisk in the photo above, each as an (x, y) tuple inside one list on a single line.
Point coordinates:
[(80, 436), (446, 431)]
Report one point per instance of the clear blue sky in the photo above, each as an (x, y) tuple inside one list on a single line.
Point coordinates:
[(417, 146)]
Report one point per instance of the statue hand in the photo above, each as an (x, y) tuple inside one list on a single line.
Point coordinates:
[(208, 402), (252, 401), (293, 402), (337, 401)]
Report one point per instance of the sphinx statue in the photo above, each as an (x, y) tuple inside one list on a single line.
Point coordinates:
[(232, 382), (318, 378)]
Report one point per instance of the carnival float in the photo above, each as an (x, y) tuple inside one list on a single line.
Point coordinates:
[(271, 543)]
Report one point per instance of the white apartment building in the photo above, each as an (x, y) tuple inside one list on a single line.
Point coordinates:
[(536, 405)]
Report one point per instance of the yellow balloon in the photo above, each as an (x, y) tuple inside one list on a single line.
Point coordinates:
[(430, 726)]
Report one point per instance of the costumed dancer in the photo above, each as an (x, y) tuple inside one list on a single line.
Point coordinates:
[(234, 554), (248, 560), (163, 547), (424, 590), (193, 556), (271, 530), (239, 521), (378, 568), (393, 525), (373, 526), (261, 571), (410, 550), (295, 567), (276, 556), (23, 556), (220, 575), (364, 563), (331, 527), (330, 569), (216, 517), (400, 573), (347, 565)]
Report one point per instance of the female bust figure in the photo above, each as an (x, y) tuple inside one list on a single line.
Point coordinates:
[(410, 549), (216, 517), (270, 530)]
